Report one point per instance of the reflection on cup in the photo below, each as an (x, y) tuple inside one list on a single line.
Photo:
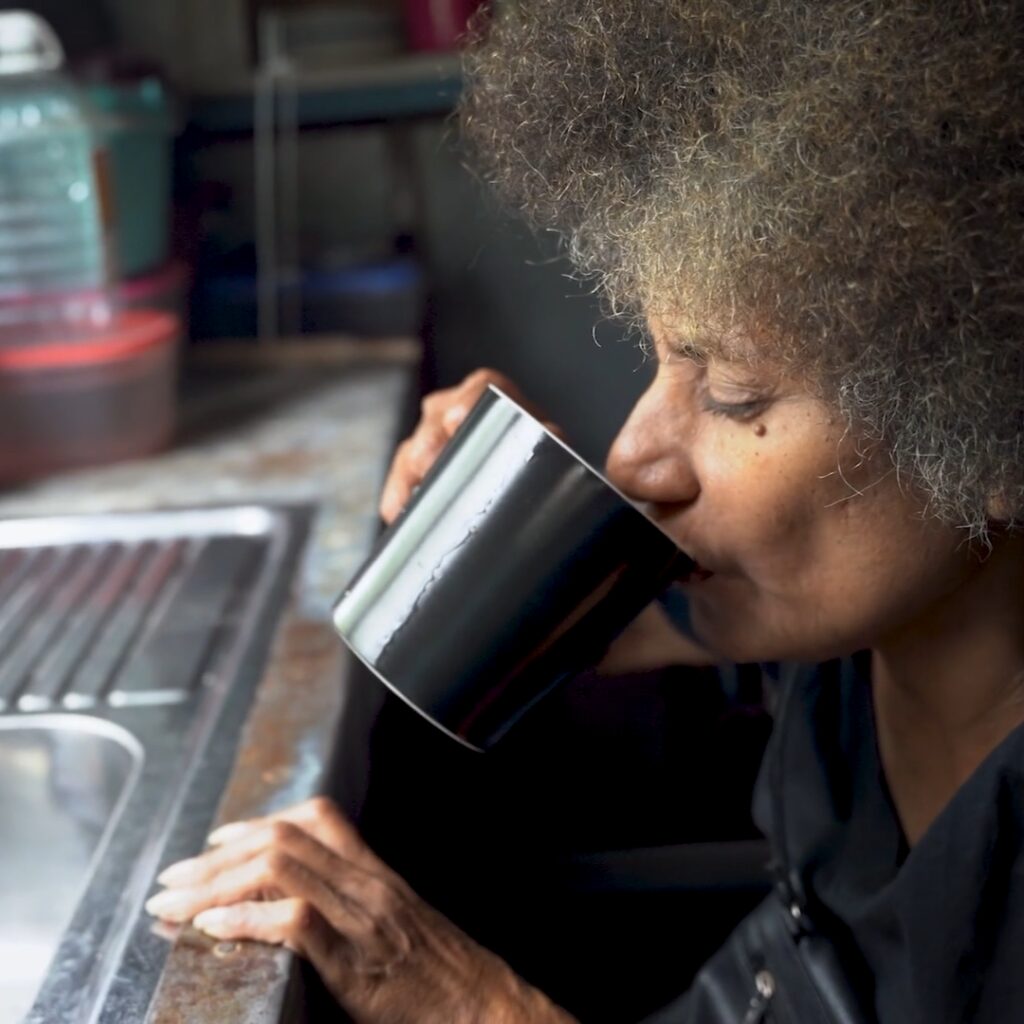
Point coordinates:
[(512, 568)]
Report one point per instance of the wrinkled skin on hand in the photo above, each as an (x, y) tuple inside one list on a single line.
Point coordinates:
[(304, 878)]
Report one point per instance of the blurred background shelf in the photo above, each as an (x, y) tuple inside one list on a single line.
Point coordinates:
[(324, 152), (397, 88)]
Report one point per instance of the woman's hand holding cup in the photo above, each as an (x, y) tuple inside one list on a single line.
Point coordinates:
[(442, 413)]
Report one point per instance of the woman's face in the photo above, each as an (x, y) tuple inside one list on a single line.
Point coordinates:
[(810, 546)]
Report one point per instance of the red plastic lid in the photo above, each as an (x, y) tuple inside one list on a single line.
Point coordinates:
[(130, 333), (167, 278)]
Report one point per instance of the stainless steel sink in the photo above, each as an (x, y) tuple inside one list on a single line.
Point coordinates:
[(64, 779), (130, 648)]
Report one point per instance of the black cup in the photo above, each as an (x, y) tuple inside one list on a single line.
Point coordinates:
[(514, 566)]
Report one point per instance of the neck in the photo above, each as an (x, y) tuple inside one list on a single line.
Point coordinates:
[(949, 687)]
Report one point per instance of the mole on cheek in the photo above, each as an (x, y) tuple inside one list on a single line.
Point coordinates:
[(760, 429)]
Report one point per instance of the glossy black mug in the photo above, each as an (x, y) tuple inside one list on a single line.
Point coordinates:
[(513, 567)]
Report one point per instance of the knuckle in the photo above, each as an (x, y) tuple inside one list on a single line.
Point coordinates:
[(420, 461), (303, 918), (323, 808), (274, 865), (386, 899), (488, 375), (282, 834), (379, 897), (418, 441), (431, 404)]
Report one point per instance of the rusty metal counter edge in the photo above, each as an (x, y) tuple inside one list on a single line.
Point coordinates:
[(290, 731)]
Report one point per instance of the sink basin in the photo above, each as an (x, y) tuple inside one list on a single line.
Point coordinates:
[(64, 780), (131, 645)]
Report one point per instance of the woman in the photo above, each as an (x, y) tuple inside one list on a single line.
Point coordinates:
[(817, 209)]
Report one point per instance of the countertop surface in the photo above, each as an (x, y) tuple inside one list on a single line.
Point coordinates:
[(302, 424)]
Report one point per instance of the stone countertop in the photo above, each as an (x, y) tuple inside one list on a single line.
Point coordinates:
[(298, 423), (293, 423)]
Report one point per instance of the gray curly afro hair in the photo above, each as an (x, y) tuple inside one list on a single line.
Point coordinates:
[(844, 177)]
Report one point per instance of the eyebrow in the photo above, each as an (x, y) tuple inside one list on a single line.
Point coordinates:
[(700, 343), (690, 348), (696, 348)]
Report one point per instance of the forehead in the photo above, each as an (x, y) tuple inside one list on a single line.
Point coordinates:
[(703, 342)]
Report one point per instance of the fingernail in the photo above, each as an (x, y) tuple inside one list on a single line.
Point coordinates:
[(227, 833), (165, 904), (175, 873), (211, 921), (455, 415)]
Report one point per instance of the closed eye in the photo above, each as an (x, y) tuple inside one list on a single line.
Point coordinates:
[(740, 411)]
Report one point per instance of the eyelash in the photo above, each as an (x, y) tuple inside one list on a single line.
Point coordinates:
[(739, 411)]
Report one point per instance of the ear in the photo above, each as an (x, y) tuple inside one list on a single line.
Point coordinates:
[(998, 508)]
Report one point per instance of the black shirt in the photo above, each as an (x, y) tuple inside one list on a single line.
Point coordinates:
[(927, 935)]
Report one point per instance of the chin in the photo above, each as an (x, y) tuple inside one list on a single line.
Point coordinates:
[(738, 634)]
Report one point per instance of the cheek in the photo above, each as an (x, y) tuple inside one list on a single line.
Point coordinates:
[(827, 562), (763, 496), (818, 550)]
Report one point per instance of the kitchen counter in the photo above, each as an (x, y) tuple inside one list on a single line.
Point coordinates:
[(298, 425)]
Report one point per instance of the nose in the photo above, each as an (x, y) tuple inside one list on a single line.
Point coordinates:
[(650, 458)]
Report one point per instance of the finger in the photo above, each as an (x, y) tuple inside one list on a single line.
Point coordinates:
[(441, 414), (477, 383), (257, 878), (293, 923), (433, 405), (454, 415), (468, 392), (356, 903), (479, 380), (251, 839), (320, 818), (271, 874), (424, 447), (397, 485), (411, 463)]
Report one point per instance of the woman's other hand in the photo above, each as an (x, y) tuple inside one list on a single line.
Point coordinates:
[(442, 412), (304, 878)]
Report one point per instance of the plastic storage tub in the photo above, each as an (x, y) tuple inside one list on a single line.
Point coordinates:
[(165, 290), (71, 403), (63, 317), (140, 131), (57, 223), (57, 317)]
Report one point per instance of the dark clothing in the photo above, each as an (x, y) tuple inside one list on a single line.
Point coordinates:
[(861, 928)]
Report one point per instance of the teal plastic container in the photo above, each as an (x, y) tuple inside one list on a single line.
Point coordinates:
[(140, 127), (55, 220)]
